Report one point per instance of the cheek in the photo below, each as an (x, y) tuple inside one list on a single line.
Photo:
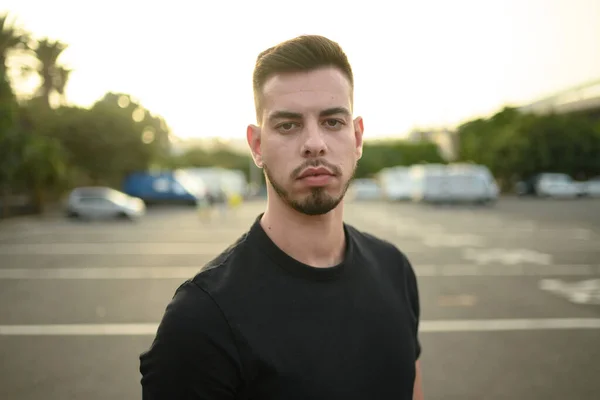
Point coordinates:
[(278, 159), (350, 152)]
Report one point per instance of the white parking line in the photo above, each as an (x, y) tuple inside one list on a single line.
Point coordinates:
[(79, 330), (434, 326), (494, 325), (113, 248), (422, 270), (506, 270), (100, 273), (128, 230)]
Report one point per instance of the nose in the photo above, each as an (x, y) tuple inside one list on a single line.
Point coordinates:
[(314, 142)]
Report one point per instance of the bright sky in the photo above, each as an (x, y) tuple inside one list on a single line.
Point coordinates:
[(416, 63)]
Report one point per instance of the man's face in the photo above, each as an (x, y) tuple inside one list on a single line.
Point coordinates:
[(308, 143)]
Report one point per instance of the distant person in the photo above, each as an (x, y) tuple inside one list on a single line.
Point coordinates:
[(235, 201), (302, 306), (221, 202), (205, 206)]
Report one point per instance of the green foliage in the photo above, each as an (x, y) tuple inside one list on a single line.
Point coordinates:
[(8, 133), (43, 163), (515, 145), (104, 142)]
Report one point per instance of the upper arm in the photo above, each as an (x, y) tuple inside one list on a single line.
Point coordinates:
[(193, 355), (418, 386), (412, 289), (415, 308)]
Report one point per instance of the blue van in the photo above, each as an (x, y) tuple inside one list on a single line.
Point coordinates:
[(164, 187)]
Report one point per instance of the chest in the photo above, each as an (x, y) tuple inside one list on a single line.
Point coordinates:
[(346, 340)]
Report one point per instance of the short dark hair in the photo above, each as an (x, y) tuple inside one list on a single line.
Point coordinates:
[(302, 53)]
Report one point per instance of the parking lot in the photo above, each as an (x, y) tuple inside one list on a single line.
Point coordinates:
[(510, 295)]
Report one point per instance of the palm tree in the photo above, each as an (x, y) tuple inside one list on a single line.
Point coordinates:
[(61, 84), (54, 76), (10, 39)]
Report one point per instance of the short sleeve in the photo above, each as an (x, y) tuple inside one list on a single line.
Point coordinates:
[(193, 355), (413, 299)]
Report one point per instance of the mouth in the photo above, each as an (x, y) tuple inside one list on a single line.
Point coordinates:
[(315, 172)]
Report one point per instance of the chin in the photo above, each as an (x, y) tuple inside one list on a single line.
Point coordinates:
[(313, 201), (319, 201)]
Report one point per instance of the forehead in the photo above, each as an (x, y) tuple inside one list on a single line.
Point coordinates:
[(307, 91)]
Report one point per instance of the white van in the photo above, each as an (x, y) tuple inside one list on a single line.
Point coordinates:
[(490, 191), (438, 183), (395, 183), (428, 183)]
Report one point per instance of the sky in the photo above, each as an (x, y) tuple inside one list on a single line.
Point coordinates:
[(417, 64)]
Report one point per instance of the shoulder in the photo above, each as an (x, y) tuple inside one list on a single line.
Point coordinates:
[(190, 316), (387, 257), (193, 306), (193, 350), (191, 311), (225, 267), (373, 246)]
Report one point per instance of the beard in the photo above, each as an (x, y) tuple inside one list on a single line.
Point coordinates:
[(318, 201)]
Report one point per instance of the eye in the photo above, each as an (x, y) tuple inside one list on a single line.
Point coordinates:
[(286, 127), (334, 123)]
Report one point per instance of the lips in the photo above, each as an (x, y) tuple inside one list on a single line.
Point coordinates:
[(315, 172)]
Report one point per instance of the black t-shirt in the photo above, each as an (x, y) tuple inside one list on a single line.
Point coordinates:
[(258, 324)]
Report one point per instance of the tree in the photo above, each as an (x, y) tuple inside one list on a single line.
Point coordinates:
[(145, 135), (516, 145), (53, 75), (114, 137), (43, 166), (10, 39)]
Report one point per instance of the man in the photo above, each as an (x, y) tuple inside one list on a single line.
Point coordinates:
[(302, 306)]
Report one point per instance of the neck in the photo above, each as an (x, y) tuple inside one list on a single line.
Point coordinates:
[(317, 241)]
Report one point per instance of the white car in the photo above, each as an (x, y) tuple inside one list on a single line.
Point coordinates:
[(592, 187), (558, 185), (103, 203)]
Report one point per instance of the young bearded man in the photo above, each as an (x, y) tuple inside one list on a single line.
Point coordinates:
[(302, 306)]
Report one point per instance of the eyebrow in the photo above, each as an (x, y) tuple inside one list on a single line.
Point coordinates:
[(293, 115)]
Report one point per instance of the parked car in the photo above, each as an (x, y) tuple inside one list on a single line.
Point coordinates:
[(551, 184), (592, 187), (100, 202), (559, 185)]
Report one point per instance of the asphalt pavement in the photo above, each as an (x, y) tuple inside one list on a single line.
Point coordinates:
[(510, 295)]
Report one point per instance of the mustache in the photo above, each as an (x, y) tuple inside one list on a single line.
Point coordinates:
[(316, 163)]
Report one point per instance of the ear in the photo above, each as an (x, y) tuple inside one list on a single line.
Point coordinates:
[(253, 138), (358, 135)]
